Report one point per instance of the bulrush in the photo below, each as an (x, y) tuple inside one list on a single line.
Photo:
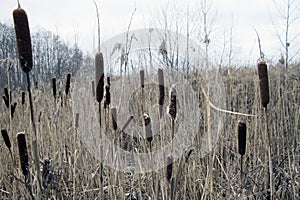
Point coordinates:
[(142, 78), (54, 87), (114, 118), (242, 130), (99, 72), (68, 83), (263, 83), (6, 97), (23, 153), (107, 97), (6, 138), (23, 98), (23, 39), (173, 107), (161, 87), (169, 163), (148, 128)]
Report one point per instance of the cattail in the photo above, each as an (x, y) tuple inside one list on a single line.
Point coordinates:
[(114, 117), (172, 107), (142, 78), (23, 153), (6, 97), (169, 163), (54, 87), (263, 83), (108, 80), (6, 138), (23, 39), (107, 96), (242, 131), (23, 98), (161, 91), (99, 70), (68, 83), (148, 128), (127, 122), (13, 109)]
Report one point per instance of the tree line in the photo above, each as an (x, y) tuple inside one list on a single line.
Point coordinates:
[(52, 57)]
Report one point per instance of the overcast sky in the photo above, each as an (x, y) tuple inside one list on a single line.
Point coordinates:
[(77, 17)]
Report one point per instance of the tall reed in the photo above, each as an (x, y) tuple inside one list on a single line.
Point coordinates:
[(23, 39)]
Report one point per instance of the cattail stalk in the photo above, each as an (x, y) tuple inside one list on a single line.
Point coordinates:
[(161, 87), (169, 171), (23, 154), (6, 97), (23, 39), (68, 83), (173, 107), (114, 118), (242, 134), (99, 79), (54, 87), (265, 98)]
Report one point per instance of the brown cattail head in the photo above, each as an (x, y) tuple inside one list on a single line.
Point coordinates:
[(263, 83), (173, 106), (142, 78), (13, 109), (54, 87), (6, 97), (161, 87), (242, 134), (148, 128), (68, 83), (23, 98), (114, 117), (6, 138), (169, 163), (107, 97), (23, 39), (99, 71), (23, 153)]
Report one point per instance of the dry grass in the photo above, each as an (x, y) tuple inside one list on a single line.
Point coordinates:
[(69, 171)]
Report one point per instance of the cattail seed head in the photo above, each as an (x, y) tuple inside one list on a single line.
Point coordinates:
[(13, 109), (148, 128), (23, 39), (114, 117), (6, 138), (107, 97), (161, 98), (93, 88), (99, 72), (6, 97), (263, 83), (142, 78), (68, 83), (54, 87), (23, 153), (242, 134), (23, 98), (173, 106), (169, 163)]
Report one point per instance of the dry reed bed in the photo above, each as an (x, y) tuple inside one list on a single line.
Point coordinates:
[(73, 173)]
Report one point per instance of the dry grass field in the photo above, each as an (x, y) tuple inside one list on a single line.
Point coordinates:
[(69, 171)]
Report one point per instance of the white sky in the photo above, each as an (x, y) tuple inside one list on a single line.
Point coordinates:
[(78, 17)]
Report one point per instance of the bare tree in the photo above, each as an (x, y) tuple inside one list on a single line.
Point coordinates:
[(288, 13)]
